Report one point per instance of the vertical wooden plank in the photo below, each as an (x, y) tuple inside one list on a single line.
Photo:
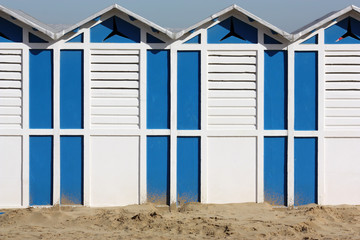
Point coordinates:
[(188, 88), (71, 169), (305, 171), (158, 88), (275, 86), (275, 169), (41, 170), (188, 169), (306, 87), (158, 169), (71, 89), (41, 89)]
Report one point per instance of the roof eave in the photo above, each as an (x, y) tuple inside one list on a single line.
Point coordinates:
[(60, 34), (241, 10), (28, 22), (324, 21)]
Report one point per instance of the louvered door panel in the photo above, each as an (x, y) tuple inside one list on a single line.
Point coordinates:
[(10, 89), (115, 89), (342, 97), (232, 89)]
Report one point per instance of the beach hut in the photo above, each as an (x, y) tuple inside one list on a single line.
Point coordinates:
[(116, 110)]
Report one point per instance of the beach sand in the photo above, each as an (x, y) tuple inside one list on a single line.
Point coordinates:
[(191, 221)]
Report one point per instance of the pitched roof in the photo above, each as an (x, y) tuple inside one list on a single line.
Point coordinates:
[(321, 21), (240, 10), (108, 9)]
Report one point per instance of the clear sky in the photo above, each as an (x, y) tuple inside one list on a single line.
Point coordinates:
[(288, 15)]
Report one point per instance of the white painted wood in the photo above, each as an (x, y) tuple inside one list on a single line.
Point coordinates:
[(114, 171), (232, 86), (231, 169), (342, 171), (115, 89), (10, 171)]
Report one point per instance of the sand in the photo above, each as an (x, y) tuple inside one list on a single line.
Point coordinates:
[(191, 221)]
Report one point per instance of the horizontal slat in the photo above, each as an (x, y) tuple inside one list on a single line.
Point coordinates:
[(343, 85), (342, 53), (342, 60), (10, 119), (10, 84), (350, 127), (115, 84), (232, 76), (114, 59), (232, 103), (342, 77), (10, 52), (115, 75), (232, 68), (232, 53), (105, 93), (342, 94), (10, 126), (130, 111), (10, 75), (10, 67), (232, 60), (10, 111), (226, 120), (342, 69), (126, 102), (115, 126), (232, 94), (342, 121), (115, 67), (10, 101), (10, 59), (342, 103), (232, 127), (338, 112), (232, 85), (115, 120), (10, 93), (114, 52), (222, 111)]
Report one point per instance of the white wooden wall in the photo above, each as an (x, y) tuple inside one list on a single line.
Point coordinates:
[(232, 122)]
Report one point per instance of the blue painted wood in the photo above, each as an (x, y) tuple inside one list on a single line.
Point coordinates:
[(158, 86), (188, 169), (275, 170), (10, 32), (35, 39), (334, 32), (71, 89), (41, 170), (158, 169), (312, 40), (275, 90), (188, 117), (305, 171), (151, 39), (41, 89), (194, 40), (306, 87), (217, 32), (99, 32), (78, 39), (71, 170), (270, 40)]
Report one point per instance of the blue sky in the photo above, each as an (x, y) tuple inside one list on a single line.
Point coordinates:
[(288, 15)]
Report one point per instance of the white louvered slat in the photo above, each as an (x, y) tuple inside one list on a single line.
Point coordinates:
[(115, 89), (10, 89), (342, 96), (232, 90)]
